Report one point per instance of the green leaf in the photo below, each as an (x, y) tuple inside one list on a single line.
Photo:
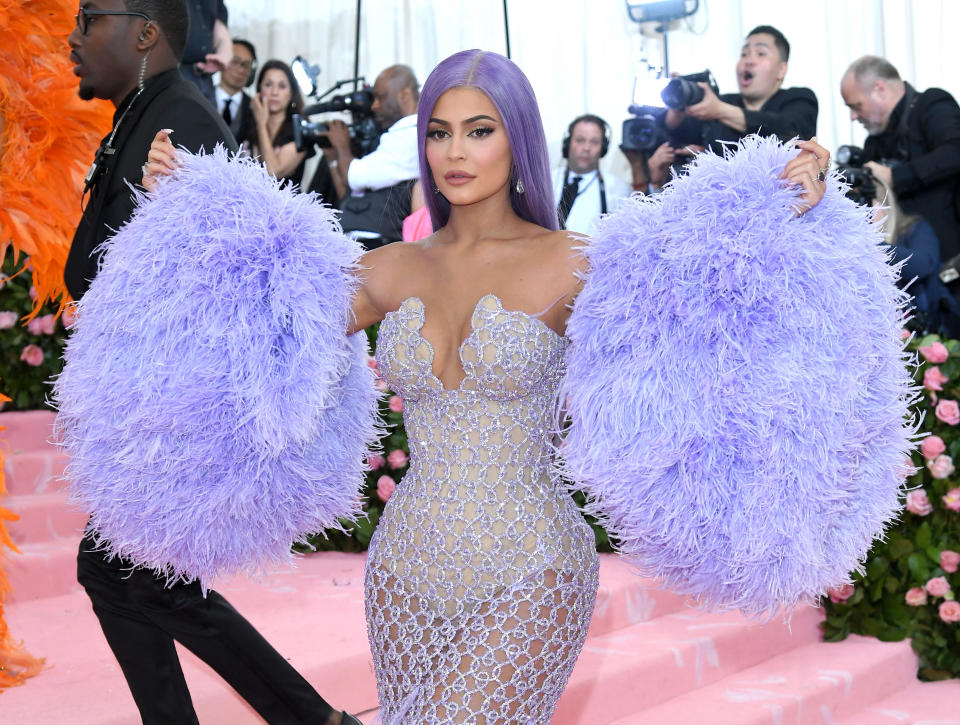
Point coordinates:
[(900, 547), (917, 563), (923, 537)]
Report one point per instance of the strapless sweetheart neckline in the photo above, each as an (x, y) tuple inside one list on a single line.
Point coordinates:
[(421, 312)]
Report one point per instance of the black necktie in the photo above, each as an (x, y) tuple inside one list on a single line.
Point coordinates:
[(227, 116), (566, 199)]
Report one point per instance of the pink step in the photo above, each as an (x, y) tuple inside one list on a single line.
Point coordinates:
[(37, 471), (46, 569), (919, 703), (812, 685), (44, 517), (313, 615), (624, 598), (29, 430), (671, 655)]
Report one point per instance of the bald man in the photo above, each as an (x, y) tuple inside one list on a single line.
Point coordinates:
[(395, 96)]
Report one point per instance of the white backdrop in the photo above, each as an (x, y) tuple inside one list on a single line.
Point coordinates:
[(582, 55)]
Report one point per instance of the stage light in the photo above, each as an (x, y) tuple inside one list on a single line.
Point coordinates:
[(648, 11)]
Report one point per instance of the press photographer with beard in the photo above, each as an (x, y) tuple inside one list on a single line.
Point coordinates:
[(763, 106), (913, 144)]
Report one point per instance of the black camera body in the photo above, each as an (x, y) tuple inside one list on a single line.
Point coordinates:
[(683, 91), (644, 132), (863, 185), (364, 130)]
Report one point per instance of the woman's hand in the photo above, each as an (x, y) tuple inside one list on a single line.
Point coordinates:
[(259, 110), (809, 170), (161, 160)]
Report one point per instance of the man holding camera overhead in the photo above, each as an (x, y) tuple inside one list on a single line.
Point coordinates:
[(914, 143), (761, 107)]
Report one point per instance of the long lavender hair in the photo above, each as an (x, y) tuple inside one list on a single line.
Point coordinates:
[(511, 92)]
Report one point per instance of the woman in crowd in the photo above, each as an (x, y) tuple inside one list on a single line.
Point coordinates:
[(915, 243), (482, 573), (278, 97)]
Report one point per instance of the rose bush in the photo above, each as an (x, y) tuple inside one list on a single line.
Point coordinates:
[(31, 352), (908, 584)]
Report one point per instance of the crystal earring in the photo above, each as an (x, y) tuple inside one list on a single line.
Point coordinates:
[(436, 189), (519, 187)]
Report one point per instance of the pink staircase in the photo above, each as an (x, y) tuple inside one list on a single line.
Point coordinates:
[(649, 659)]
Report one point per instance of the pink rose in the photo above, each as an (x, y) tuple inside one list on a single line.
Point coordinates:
[(33, 292), (385, 488), (32, 355), (375, 461), (952, 499), (941, 466), (69, 316), (43, 325), (916, 597), (840, 594), (936, 353), (380, 384), (933, 379), (937, 587), (948, 411), (932, 447), (904, 334), (396, 403), (918, 503), (372, 364), (950, 611), (949, 561), (7, 320), (397, 458)]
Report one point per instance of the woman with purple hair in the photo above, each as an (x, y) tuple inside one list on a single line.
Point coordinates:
[(482, 573)]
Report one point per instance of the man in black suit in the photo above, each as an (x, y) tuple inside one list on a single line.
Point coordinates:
[(763, 106), (127, 51), (914, 143), (233, 104)]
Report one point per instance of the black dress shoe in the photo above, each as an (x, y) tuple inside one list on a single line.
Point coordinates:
[(348, 719)]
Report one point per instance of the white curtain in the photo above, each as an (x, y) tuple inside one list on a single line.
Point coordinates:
[(582, 55)]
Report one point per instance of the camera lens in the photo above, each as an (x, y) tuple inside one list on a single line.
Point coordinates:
[(680, 93)]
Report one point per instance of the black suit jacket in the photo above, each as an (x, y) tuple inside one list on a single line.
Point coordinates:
[(787, 113), (926, 158), (167, 101)]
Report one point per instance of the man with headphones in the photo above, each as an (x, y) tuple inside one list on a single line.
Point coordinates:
[(232, 103), (582, 193)]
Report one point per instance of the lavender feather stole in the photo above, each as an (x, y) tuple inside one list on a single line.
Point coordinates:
[(737, 384), (213, 408)]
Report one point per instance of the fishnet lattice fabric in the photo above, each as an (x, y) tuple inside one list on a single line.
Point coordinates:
[(482, 573)]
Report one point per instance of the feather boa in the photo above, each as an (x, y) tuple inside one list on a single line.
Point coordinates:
[(737, 385), (47, 138), (212, 405)]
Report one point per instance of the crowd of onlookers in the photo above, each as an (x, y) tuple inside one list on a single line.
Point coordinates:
[(911, 158)]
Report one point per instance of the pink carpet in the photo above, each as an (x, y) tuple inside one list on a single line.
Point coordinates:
[(649, 659)]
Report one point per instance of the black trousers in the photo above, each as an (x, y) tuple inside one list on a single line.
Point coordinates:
[(141, 618)]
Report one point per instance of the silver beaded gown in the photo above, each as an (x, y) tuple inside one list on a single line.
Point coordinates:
[(482, 573)]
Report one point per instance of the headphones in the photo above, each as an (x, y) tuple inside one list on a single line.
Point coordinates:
[(605, 127)]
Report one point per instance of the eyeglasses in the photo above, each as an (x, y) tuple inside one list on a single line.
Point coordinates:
[(83, 17), (242, 64)]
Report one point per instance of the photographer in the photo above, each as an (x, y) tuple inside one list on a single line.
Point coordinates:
[(761, 107), (375, 190), (914, 143)]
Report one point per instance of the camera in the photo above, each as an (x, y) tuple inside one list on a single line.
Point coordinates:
[(645, 131), (683, 91), (364, 131), (863, 185)]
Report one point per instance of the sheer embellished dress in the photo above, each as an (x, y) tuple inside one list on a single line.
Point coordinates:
[(482, 572)]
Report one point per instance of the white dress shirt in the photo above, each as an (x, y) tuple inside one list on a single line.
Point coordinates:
[(235, 99), (585, 212), (394, 160)]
